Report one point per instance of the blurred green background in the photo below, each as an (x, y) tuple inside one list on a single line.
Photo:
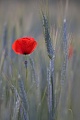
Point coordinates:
[(23, 18)]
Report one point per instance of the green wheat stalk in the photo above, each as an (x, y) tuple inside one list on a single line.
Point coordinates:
[(23, 98), (51, 54)]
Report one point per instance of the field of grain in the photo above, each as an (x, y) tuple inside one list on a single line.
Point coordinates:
[(48, 87)]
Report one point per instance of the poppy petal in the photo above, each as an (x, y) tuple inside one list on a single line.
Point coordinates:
[(17, 47), (28, 45)]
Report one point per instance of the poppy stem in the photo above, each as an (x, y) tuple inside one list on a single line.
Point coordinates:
[(25, 62)]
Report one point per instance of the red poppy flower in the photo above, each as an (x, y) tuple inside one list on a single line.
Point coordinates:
[(70, 51), (24, 45)]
